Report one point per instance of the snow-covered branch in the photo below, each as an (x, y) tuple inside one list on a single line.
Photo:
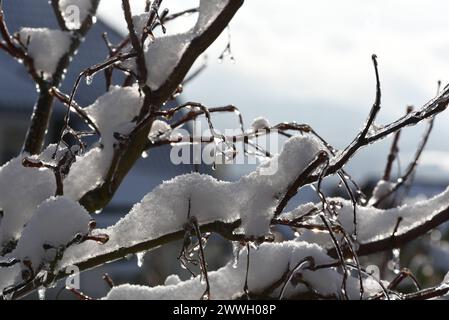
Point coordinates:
[(175, 55), (228, 282)]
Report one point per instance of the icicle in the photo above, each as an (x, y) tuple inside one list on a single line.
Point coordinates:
[(236, 254), (140, 259), (42, 293), (89, 79), (396, 263)]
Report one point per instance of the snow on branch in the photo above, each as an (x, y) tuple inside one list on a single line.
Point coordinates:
[(378, 229), (46, 47), (43, 242), (23, 189), (251, 201), (269, 266), (165, 54), (178, 58)]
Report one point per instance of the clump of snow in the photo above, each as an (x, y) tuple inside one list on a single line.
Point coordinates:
[(42, 230), (22, 190), (382, 189), (209, 10), (252, 199), (87, 172), (260, 124), (46, 47), (261, 190), (164, 53), (114, 112), (267, 266), (140, 21), (172, 280), (159, 129), (75, 12)]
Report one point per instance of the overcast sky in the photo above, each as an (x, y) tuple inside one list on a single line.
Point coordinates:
[(310, 61)]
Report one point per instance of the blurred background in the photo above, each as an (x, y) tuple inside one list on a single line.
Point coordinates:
[(302, 61)]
